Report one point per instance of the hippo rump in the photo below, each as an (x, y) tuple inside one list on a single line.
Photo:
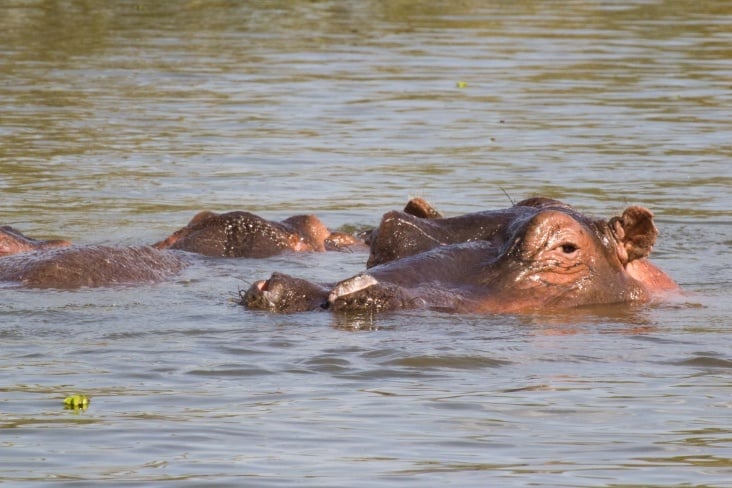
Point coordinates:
[(35, 263), (540, 254), (243, 234)]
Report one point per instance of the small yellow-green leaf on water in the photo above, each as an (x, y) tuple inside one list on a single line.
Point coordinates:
[(462, 84), (76, 402)]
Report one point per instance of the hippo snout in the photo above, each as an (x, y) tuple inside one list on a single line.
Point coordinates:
[(284, 293)]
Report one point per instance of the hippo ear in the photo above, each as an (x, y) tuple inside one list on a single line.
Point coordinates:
[(201, 216), (419, 207), (635, 233), (5, 247), (11, 241)]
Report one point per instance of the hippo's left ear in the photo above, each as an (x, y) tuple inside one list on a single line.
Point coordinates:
[(635, 233)]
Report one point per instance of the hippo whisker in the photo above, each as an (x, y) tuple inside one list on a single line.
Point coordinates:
[(507, 195)]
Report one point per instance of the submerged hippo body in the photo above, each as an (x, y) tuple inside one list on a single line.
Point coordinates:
[(89, 266), (243, 234), (539, 254), (57, 264)]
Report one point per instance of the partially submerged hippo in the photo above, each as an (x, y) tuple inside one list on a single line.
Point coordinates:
[(243, 234), (57, 264), (420, 228), (539, 254), (13, 241)]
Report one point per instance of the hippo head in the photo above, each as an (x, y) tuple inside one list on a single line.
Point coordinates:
[(243, 234), (420, 228), (550, 256), (558, 258), (283, 293), (543, 255), (13, 241)]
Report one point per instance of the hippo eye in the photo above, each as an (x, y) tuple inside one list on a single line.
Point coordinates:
[(569, 248)]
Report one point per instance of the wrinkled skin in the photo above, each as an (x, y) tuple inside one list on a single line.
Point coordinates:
[(540, 254), (420, 228), (56, 264), (243, 234)]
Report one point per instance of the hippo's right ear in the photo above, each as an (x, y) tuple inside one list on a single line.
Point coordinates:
[(635, 233)]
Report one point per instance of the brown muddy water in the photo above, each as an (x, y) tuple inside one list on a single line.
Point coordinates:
[(120, 120)]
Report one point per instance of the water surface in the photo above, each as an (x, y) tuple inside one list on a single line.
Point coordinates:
[(118, 122)]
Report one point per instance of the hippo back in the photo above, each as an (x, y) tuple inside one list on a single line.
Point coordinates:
[(90, 266)]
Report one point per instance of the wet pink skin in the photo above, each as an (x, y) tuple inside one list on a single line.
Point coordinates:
[(540, 254), (652, 277), (13, 241)]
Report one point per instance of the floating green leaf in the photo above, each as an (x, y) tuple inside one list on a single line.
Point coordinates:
[(76, 402)]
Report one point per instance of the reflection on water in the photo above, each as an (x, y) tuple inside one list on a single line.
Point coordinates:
[(119, 121)]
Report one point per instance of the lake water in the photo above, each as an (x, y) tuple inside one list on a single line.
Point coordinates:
[(120, 120)]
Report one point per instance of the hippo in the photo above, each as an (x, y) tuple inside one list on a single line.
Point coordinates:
[(13, 241), (420, 227), (539, 254), (58, 264), (243, 234), (38, 263)]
